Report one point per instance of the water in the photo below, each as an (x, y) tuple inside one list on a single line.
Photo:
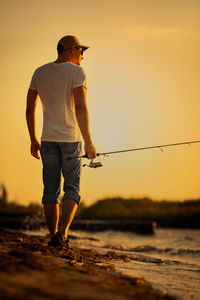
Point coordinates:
[(169, 260)]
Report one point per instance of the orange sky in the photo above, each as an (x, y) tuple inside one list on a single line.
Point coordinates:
[(143, 89)]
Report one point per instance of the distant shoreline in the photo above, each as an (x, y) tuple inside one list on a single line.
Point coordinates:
[(166, 214)]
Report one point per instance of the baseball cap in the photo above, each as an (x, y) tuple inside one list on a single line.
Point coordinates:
[(69, 41)]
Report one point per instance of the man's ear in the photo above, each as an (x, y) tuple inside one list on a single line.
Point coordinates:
[(72, 49)]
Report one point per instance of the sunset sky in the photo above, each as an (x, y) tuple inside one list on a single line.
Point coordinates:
[(142, 69)]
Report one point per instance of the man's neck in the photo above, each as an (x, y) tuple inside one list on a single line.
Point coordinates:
[(63, 58), (59, 61)]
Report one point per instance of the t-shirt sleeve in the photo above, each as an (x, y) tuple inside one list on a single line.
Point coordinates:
[(79, 78), (32, 85)]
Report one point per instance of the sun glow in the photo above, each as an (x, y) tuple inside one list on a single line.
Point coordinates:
[(142, 69)]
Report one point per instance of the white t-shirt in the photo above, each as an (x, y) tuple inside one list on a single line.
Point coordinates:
[(54, 83)]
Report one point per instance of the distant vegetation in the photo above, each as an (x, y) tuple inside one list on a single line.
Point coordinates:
[(165, 213), (178, 214), (13, 209)]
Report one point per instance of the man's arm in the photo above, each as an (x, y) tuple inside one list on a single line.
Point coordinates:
[(82, 117), (32, 99)]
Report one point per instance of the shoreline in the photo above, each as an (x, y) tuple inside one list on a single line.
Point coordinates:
[(30, 269)]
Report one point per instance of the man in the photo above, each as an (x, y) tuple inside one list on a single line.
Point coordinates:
[(61, 86)]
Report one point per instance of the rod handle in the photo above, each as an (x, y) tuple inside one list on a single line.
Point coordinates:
[(85, 156)]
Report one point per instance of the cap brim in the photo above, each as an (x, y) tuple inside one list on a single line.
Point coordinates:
[(84, 47)]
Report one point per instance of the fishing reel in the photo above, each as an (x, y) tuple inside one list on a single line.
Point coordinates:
[(93, 164)]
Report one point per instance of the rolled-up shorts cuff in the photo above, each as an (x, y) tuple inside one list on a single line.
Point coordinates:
[(50, 199), (71, 195)]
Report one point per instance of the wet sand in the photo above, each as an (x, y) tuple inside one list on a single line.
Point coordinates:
[(29, 269)]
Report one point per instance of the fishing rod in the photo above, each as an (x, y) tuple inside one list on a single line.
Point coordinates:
[(99, 164)]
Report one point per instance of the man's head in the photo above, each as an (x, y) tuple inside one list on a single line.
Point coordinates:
[(70, 49)]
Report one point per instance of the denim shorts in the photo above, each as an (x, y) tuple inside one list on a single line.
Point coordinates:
[(55, 159)]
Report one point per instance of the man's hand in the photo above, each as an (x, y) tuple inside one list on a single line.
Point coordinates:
[(90, 150), (35, 147)]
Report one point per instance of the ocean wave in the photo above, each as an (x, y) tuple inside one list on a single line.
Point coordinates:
[(149, 248)]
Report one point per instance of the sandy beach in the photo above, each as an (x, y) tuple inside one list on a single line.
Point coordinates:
[(31, 270)]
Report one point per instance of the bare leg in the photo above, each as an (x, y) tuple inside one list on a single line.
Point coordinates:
[(69, 208), (51, 211)]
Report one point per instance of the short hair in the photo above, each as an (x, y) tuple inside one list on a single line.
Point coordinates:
[(60, 48)]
